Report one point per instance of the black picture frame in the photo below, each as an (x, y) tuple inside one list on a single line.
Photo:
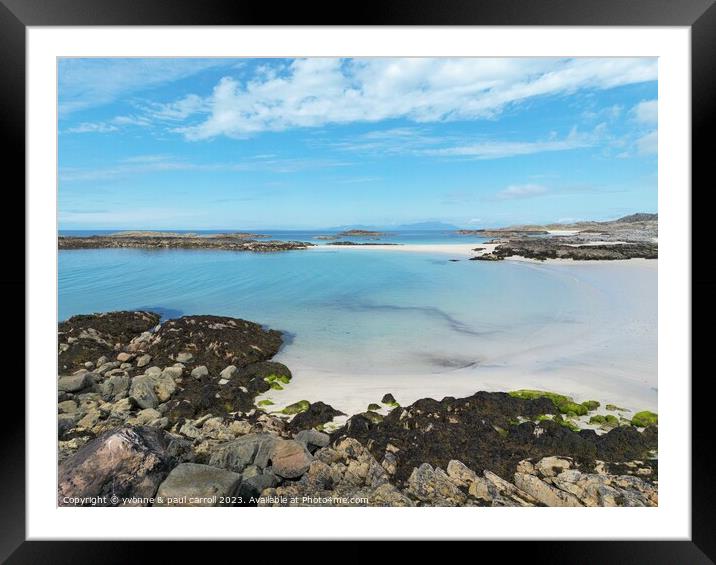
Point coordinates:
[(699, 15)]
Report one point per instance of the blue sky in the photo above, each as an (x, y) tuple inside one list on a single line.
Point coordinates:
[(321, 142)]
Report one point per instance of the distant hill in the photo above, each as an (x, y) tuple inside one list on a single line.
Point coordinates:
[(638, 217), (426, 226), (417, 226)]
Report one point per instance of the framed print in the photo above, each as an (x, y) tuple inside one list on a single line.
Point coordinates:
[(424, 275)]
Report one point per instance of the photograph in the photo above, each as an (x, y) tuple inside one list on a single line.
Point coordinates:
[(357, 282)]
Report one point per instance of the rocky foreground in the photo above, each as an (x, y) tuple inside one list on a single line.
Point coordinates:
[(157, 414), (169, 240), (629, 237)]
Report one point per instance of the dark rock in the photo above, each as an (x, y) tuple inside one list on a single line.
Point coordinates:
[(317, 414), (252, 487), (552, 248), (388, 399)]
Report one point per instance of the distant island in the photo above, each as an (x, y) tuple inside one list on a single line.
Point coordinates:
[(630, 237), (189, 235), (171, 240), (360, 233)]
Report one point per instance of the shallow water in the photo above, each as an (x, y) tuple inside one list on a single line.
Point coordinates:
[(365, 322)]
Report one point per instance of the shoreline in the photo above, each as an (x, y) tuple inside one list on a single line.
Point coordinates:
[(466, 250)]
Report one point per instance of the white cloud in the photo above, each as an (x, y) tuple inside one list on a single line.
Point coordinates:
[(646, 112), (98, 127), (86, 83), (502, 149), (648, 143), (146, 164), (521, 191), (319, 91)]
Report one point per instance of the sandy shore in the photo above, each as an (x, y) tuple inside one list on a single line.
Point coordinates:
[(458, 249)]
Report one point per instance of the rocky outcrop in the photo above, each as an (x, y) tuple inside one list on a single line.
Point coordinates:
[(554, 248), (629, 237)]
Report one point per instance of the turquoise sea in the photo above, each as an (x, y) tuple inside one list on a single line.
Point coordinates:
[(358, 321)]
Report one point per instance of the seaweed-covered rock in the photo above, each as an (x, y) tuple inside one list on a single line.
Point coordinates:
[(213, 341), (88, 337), (317, 414), (483, 432)]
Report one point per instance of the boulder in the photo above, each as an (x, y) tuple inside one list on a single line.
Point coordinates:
[(184, 357), (544, 493), (144, 360), (312, 439), (552, 466), (228, 372), (200, 371), (142, 391), (433, 486), (164, 386), (115, 387), (124, 462), (254, 484), (192, 484), (75, 383), (238, 454), (460, 474), (289, 458)]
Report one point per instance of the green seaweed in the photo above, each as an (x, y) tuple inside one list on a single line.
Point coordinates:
[(591, 405), (373, 417), (296, 407), (564, 404), (615, 408), (265, 402), (272, 378), (644, 418)]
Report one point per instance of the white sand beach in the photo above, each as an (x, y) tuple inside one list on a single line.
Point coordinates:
[(608, 354)]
